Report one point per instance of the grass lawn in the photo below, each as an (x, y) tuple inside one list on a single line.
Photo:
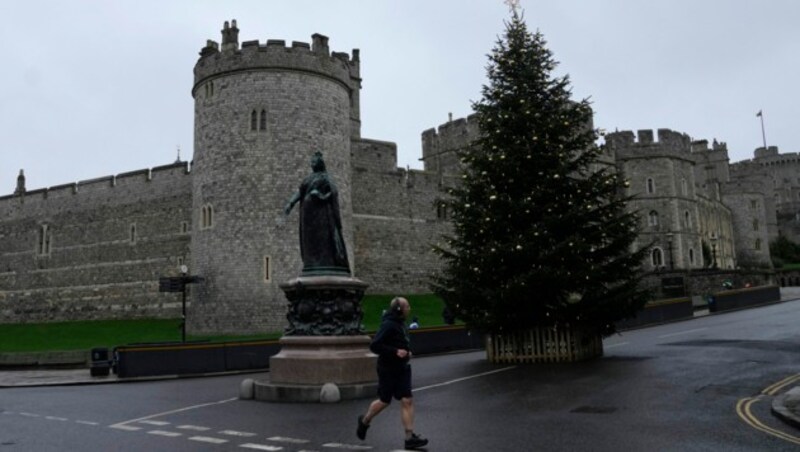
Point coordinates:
[(35, 337)]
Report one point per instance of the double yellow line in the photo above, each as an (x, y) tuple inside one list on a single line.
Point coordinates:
[(743, 409)]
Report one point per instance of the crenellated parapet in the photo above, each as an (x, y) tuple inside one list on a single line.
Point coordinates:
[(126, 183), (439, 146), (315, 58), (645, 144)]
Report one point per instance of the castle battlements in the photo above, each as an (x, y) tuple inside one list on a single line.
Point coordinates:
[(644, 144), (315, 57), (128, 181)]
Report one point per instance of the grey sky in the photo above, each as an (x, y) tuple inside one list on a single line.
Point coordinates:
[(94, 88)]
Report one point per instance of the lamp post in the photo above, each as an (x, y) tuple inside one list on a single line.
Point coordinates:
[(184, 270), (669, 244)]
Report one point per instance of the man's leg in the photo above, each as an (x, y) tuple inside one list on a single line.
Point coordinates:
[(407, 415), (374, 409)]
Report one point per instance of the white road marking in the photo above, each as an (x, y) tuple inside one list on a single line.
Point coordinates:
[(458, 380), (260, 447), (618, 344), (29, 414), (282, 439), (682, 332), (54, 418), (129, 428), (235, 433), (208, 439), (346, 446), (8, 412), (164, 433), (193, 407), (87, 422), (156, 423), (196, 428)]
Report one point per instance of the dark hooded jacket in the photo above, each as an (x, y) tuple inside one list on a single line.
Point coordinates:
[(391, 336)]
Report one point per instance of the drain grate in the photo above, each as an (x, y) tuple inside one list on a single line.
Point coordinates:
[(595, 409)]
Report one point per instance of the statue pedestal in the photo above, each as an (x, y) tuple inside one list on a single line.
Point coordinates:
[(323, 344), (306, 363)]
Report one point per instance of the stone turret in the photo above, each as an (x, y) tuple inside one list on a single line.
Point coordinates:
[(261, 111), (20, 183)]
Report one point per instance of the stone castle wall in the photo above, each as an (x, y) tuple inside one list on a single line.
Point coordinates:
[(396, 222), (95, 249)]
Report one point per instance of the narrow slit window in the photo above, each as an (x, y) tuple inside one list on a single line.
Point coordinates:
[(267, 269), (262, 125), (133, 233), (253, 120)]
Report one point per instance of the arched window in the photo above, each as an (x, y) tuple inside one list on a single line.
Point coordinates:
[(687, 219), (652, 218), (207, 219), (253, 120), (651, 185), (133, 233), (262, 125), (691, 256), (657, 258), (684, 187), (44, 240), (758, 244), (755, 224)]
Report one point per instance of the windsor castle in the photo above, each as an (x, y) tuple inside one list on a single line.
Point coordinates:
[(95, 249)]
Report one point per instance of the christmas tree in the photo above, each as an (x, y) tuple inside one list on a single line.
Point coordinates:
[(541, 235)]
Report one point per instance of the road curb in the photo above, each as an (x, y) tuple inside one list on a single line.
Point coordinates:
[(786, 405)]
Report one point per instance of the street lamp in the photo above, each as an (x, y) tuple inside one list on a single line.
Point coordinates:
[(669, 243)]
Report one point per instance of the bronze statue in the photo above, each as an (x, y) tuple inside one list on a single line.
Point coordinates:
[(321, 242)]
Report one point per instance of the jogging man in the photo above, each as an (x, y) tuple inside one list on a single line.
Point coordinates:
[(392, 345)]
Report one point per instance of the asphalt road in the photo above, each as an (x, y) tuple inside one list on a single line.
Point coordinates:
[(688, 386)]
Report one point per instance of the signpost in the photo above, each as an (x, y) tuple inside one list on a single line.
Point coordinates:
[(178, 284)]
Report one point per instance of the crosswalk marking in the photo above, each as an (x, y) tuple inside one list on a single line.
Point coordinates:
[(130, 428), (87, 422), (260, 447), (164, 433), (235, 433), (208, 439), (283, 439), (29, 414), (346, 446), (157, 423), (196, 428), (54, 418)]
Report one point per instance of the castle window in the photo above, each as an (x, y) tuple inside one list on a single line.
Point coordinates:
[(212, 88), (262, 124), (757, 245), (755, 225), (684, 187), (687, 219), (267, 270), (651, 185), (657, 258), (753, 204), (180, 261), (253, 120), (44, 240), (691, 256), (184, 227), (207, 219), (652, 218), (441, 210), (133, 233)]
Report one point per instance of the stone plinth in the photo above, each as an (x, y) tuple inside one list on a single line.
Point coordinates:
[(306, 363), (324, 344)]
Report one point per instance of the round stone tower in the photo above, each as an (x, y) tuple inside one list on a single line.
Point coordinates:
[(261, 111)]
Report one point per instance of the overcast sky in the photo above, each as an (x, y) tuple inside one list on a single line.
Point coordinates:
[(94, 88)]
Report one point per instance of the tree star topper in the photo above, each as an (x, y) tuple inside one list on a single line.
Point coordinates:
[(513, 5)]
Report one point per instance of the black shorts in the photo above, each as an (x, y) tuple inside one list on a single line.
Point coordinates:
[(394, 383)]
